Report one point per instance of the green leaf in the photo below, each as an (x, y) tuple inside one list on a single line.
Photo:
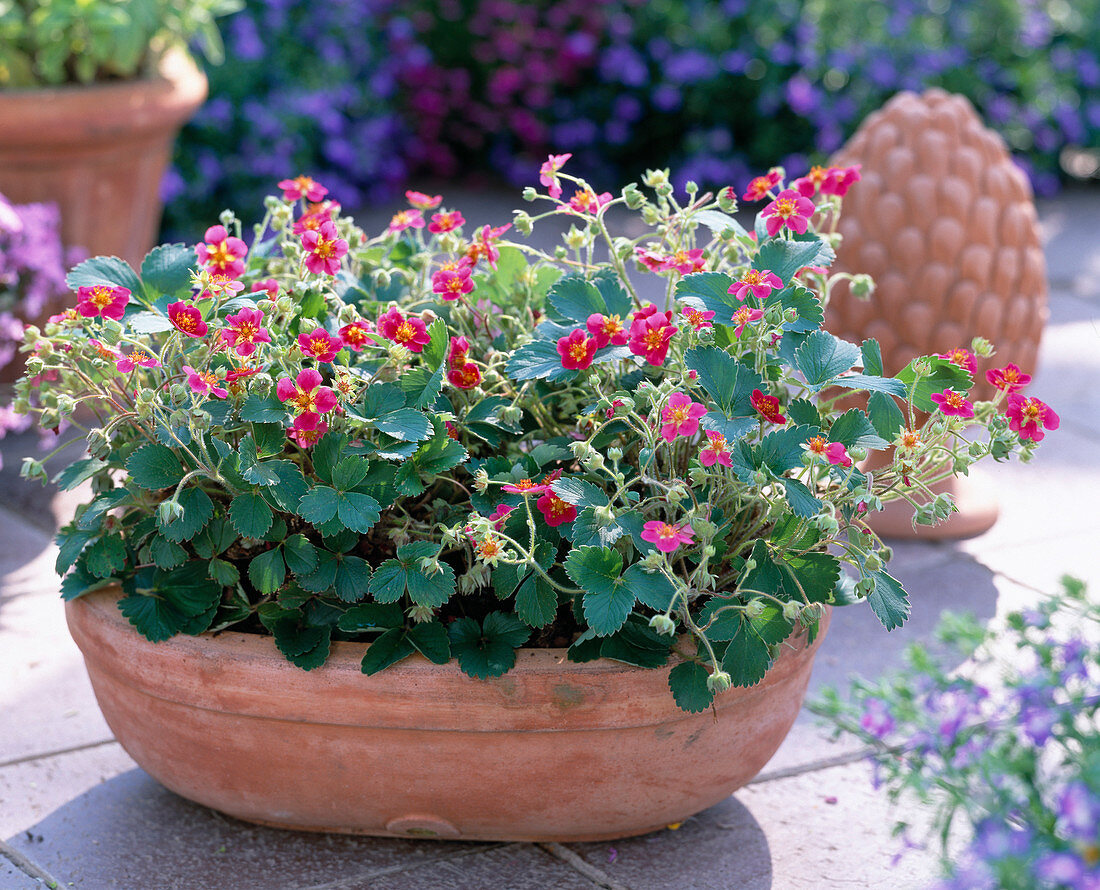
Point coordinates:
[(821, 357), (379, 399), (615, 297), (390, 648), (350, 472), (817, 575), (421, 387), (267, 572), (724, 622), (106, 556), (387, 584), (536, 360), (430, 590), (607, 600), (304, 645), (770, 625), (801, 499), (785, 257), (942, 375), (651, 589), (155, 619), (291, 486), (439, 454), (250, 515), (888, 600), (636, 644), (711, 289), (358, 512), (269, 438), (536, 601), (198, 510), (224, 573), (319, 505), (214, 539), (151, 322), (167, 554), (92, 518), (853, 429), (263, 409), (580, 493), (323, 576), (872, 357), (78, 472), (746, 658), (782, 450), (109, 270), (688, 683), (802, 300), (871, 384), (352, 578), (70, 542), (154, 467), (718, 372), (166, 270), (370, 615), (395, 576), (487, 650), (885, 415), (436, 350), (431, 640), (588, 530), (300, 555), (405, 425), (803, 413), (576, 299)]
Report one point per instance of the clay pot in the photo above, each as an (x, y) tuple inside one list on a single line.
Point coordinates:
[(99, 152), (550, 751), (944, 222)]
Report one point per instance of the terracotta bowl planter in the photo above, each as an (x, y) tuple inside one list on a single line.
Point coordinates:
[(550, 751), (99, 152)]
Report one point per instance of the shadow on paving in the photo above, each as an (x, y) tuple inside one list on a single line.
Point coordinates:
[(131, 832)]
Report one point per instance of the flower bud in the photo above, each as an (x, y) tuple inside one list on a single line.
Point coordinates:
[(759, 478), (529, 194), (982, 348), (827, 524), (111, 331), (663, 624), (755, 608), (481, 480), (523, 222), (691, 187), (595, 461), (872, 563), (791, 611), (773, 315), (615, 454), (33, 469), (419, 614), (857, 452), (727, 200), (169, 511), (664, 189), (285, 305), (790, 316), (709, 551), (98, 444), (227, 218), (704, 528), (45, 348), (862, 286), (654, 178), (560, 253), (650, 216), (199, 419), (719, 681), (35, 365), (21, 406), (31, 334), (633, 198), (651, 561), (65, 405), (581, 450)]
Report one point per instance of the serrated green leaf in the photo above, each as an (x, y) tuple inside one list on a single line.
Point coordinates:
[(154, 466), (889, 600), (785, 257), (688, 684), (803, 413), (817, 575), (636, 645), (352, 578), (78, 472), (306, 646), (431, 640), (536, 601), (724, 621), (198, 510), (575, 299), (155, 619), (214, 538), (349, 472), (166, 270), (70, 542), (853, 428), (781, 450), (369, 615), (872, 357), (537, 360), (607, 600), (263, 409), (885, 415), (358, 512), (821, 357), (224, 573), (422, 387), (390, 648), (250, 515), (267, 571), (319, 505), (167, 554), (323, 576), (711, 289), (746, 659), (106, 556), (439, 454), (580, 493), (800, 499), (870, 384), (291, 486), (651, 589), (487, 650), (405, 425), (300, 555), (109, 270), (810, 313)]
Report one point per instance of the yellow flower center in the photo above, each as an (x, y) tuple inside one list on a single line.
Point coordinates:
[(578, 351), (954, 399), (489, 547), (219, 255), (786, 208), (816, 445), (185, 322), (247, 331), (667, 531), (304, 401), (718, 443), (652, 339), (325, 248), (681, 413), (752, 277), (101, 296), (405, 332)]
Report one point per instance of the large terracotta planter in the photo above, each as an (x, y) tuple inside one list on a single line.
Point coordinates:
[(99, 152), (550, 751)]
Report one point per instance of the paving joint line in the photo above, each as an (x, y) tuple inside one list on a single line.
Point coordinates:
[(579, 864), (27, 866), (45, 755), (355, 881), (813, 766)]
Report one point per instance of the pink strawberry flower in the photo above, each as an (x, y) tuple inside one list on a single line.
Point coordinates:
[(220, 285), (607, 329), (833, 452), (186, 319), (423, 202), (667, 537), (576, 350), (555, 510), (105, 352), (356, 335), (446, 222), (244, 330), (406, 219), (102, 299), (809, 184), (486, 246), (964, 358), (452, 284), (587, 201), (137, 358), (499, 515), (324, 249), (716, 451), (653, 261), (307, 396), (221, 252), (464, 376), (685, 261), (204, 383), (526, 487), (954, 404), (319, 344), (410, 332), (760, 186), (759, 283), (651, 332), (681, 417), (789, 210), (457, 351), (302, 187), (697, 318), (1009, 378), (767, 407), (743, 316), (269, 286), (1027, 416), (548, 173), (307, 438), (839, 179), (313, 216)]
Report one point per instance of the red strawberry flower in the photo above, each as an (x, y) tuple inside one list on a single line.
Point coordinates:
[(607, 329), (789, 210), (102, 299), (576, 350), (410, 332), (423, 202), (667, 537), (446, 222), (222, 253), (759, 283), (954, 404), (186, 319), (356, 335), (302, 187), (319, 344), (555, 510), (1009, 378), (244, 330), (716, 451), (767, 407), (681, 417), (548, 173), (204, 383), (324, 249), (307, 396), (1028, 416)]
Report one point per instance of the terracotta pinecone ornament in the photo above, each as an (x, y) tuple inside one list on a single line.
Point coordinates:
[(945, 224)]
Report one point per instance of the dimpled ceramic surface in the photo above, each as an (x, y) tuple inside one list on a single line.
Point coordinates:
[(944, 222), (550, 751)]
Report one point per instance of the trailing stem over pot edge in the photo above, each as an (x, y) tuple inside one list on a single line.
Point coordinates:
[(445, 442)]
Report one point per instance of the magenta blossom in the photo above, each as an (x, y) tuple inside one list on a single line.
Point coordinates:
[(1009, 378), (548, 173), (324, 249), (697, 318), (789, 210), (406, 219), (423, 202), (716, 451), (681, 416), (186, 319), (743, 316), (137, 358), (222, 253), (667, 537), (356, 335), (302, 187), (446, 222), (307, 396), (307, 438), (500, 514), (319, 344), (954, 404), (452, 284), (576, 350), (204, 383), (410, 332), (685, 261), (269, 285), (1027, 416), (759, 283), (587, 201), (102, 299), (244, 330), (964, 358), (839, 179), (607, 329)]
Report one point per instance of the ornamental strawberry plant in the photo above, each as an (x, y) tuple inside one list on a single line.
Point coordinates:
[(439, 439)]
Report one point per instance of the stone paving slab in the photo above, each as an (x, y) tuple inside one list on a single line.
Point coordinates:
[(11, 878)]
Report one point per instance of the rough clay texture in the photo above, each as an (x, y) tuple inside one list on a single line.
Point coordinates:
[(945, 224)]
